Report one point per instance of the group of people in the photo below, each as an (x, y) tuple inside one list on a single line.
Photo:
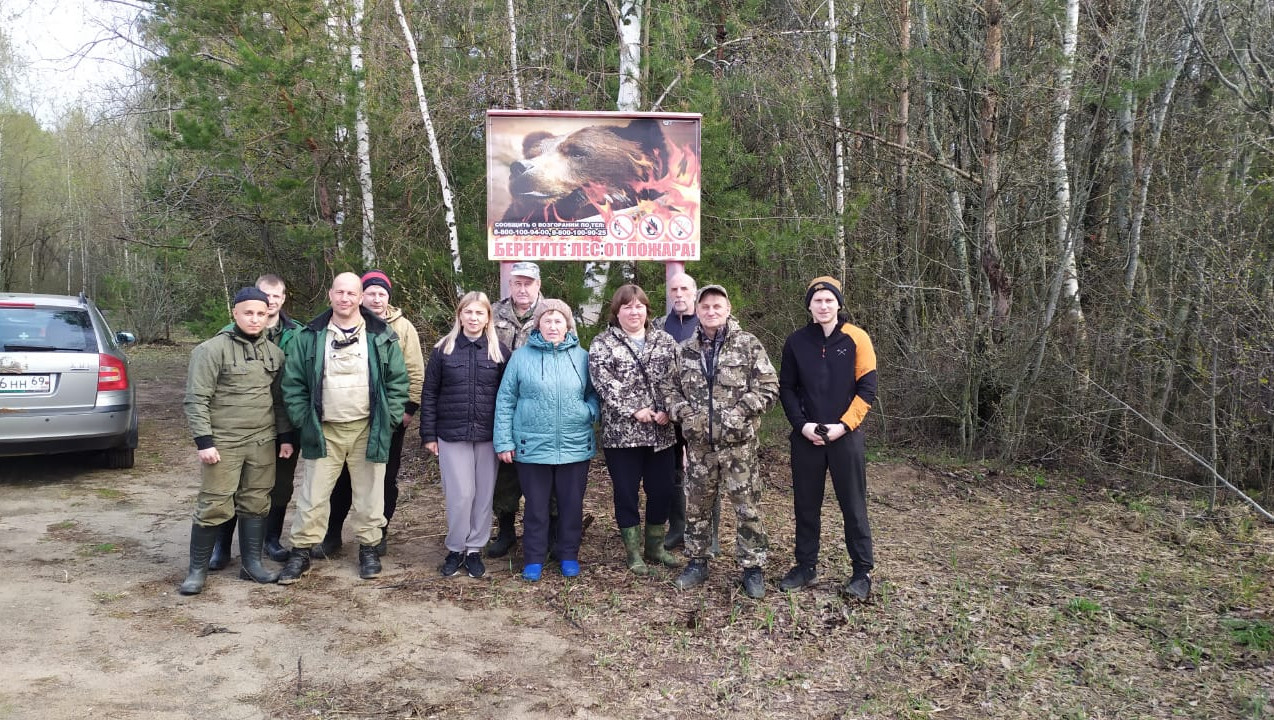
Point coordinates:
[(508, 402)]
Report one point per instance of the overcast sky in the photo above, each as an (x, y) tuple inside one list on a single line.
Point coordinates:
[(70, 52)]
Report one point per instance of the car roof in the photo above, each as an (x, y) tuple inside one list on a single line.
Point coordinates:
[(41, 299)]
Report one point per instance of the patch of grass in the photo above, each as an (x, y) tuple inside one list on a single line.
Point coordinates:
[(96, 549), (1251, 634), (103, 598), (108, 493), (1081, 607), (61, 526)]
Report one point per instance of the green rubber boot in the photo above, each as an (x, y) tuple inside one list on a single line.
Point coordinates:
[(632, 546), (655, 551)]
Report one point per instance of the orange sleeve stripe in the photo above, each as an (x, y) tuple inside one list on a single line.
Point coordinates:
[(864, 353), (853, 417)]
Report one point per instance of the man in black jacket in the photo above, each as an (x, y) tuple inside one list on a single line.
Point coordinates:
[(827, 384)]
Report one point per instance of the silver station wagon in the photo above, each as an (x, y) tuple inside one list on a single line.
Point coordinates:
[(64, 384)]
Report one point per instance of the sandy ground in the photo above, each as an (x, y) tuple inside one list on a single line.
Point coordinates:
[(93, 626)]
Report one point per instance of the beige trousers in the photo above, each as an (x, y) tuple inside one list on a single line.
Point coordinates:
[(346, 444)]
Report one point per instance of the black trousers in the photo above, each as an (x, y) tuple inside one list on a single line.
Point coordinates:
[(284, 477), (343, 493), (630, 469), (846, 460), (540, 485)]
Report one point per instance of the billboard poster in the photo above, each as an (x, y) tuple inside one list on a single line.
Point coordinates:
[(592, 186)]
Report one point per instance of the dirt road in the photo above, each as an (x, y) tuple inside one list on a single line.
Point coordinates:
[(93, 626)]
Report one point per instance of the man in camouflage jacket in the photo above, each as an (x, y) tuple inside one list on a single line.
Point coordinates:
[(722, 384)]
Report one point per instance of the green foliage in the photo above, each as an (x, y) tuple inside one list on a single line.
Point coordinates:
[(209, 320)]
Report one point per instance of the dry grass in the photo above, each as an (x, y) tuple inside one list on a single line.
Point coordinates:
[(997, 595)]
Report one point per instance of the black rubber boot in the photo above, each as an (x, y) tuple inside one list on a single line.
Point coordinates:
[(202, 540), (753, 583), (221, 551), (274, 534), (298, 565), (251, 538), (694, 574), (506, 537), (676, 536), (368, 562)]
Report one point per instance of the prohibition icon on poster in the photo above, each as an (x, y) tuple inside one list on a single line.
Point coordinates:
[(622, 227), (652, 226), (681, 226)]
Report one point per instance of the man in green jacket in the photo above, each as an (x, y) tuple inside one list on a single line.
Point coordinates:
[(233, 407), (279, 329), (345, 386)]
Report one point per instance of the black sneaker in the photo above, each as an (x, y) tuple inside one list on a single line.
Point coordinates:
[(800, 576), (858, 587), (754, 583), (368, 562), (473, 565), (452, 564)]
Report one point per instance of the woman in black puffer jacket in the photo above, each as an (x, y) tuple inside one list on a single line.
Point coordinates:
[(457, 414)]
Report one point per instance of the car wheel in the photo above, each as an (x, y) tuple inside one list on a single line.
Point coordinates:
[(119, 458)]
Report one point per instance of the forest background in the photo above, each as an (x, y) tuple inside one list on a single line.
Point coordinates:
[(1052, 216)]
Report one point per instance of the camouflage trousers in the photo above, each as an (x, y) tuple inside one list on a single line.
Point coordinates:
[(731, 470)]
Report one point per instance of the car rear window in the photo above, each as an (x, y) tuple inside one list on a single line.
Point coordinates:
[(37, 329)]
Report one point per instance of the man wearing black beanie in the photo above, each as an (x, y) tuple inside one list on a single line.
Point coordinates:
[(827, 384), (235, 412)]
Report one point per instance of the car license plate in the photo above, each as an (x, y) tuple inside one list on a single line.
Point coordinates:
[(25, 384)]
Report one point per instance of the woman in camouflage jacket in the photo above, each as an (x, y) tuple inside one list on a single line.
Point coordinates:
[(627, 363)]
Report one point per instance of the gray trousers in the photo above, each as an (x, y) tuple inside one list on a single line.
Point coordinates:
[(468, 484)]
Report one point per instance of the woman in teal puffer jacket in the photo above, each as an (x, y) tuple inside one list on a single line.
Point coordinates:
[(544, 416)]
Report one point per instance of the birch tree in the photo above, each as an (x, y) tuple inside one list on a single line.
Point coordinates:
[(1066, 285), (436, 152), (833, 86), (513, 57), (993, 266), (1158, 115), (628, 25), (362, 134)]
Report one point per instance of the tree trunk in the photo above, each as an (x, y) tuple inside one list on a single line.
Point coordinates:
[(1158, 114), (363, 136), (513, 58), (907, 275), (1066, 284), (997, 275), (436, 152), (834, 88), (628, 24)]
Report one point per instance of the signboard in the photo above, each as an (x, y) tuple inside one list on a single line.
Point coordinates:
[(592, 186)]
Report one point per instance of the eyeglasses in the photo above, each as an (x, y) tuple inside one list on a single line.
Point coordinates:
[(348, 338)]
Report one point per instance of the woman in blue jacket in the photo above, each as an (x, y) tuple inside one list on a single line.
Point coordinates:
[(457, 413), (544, 415)]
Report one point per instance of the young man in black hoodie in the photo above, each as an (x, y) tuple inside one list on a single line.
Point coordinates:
[(827, 384)]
